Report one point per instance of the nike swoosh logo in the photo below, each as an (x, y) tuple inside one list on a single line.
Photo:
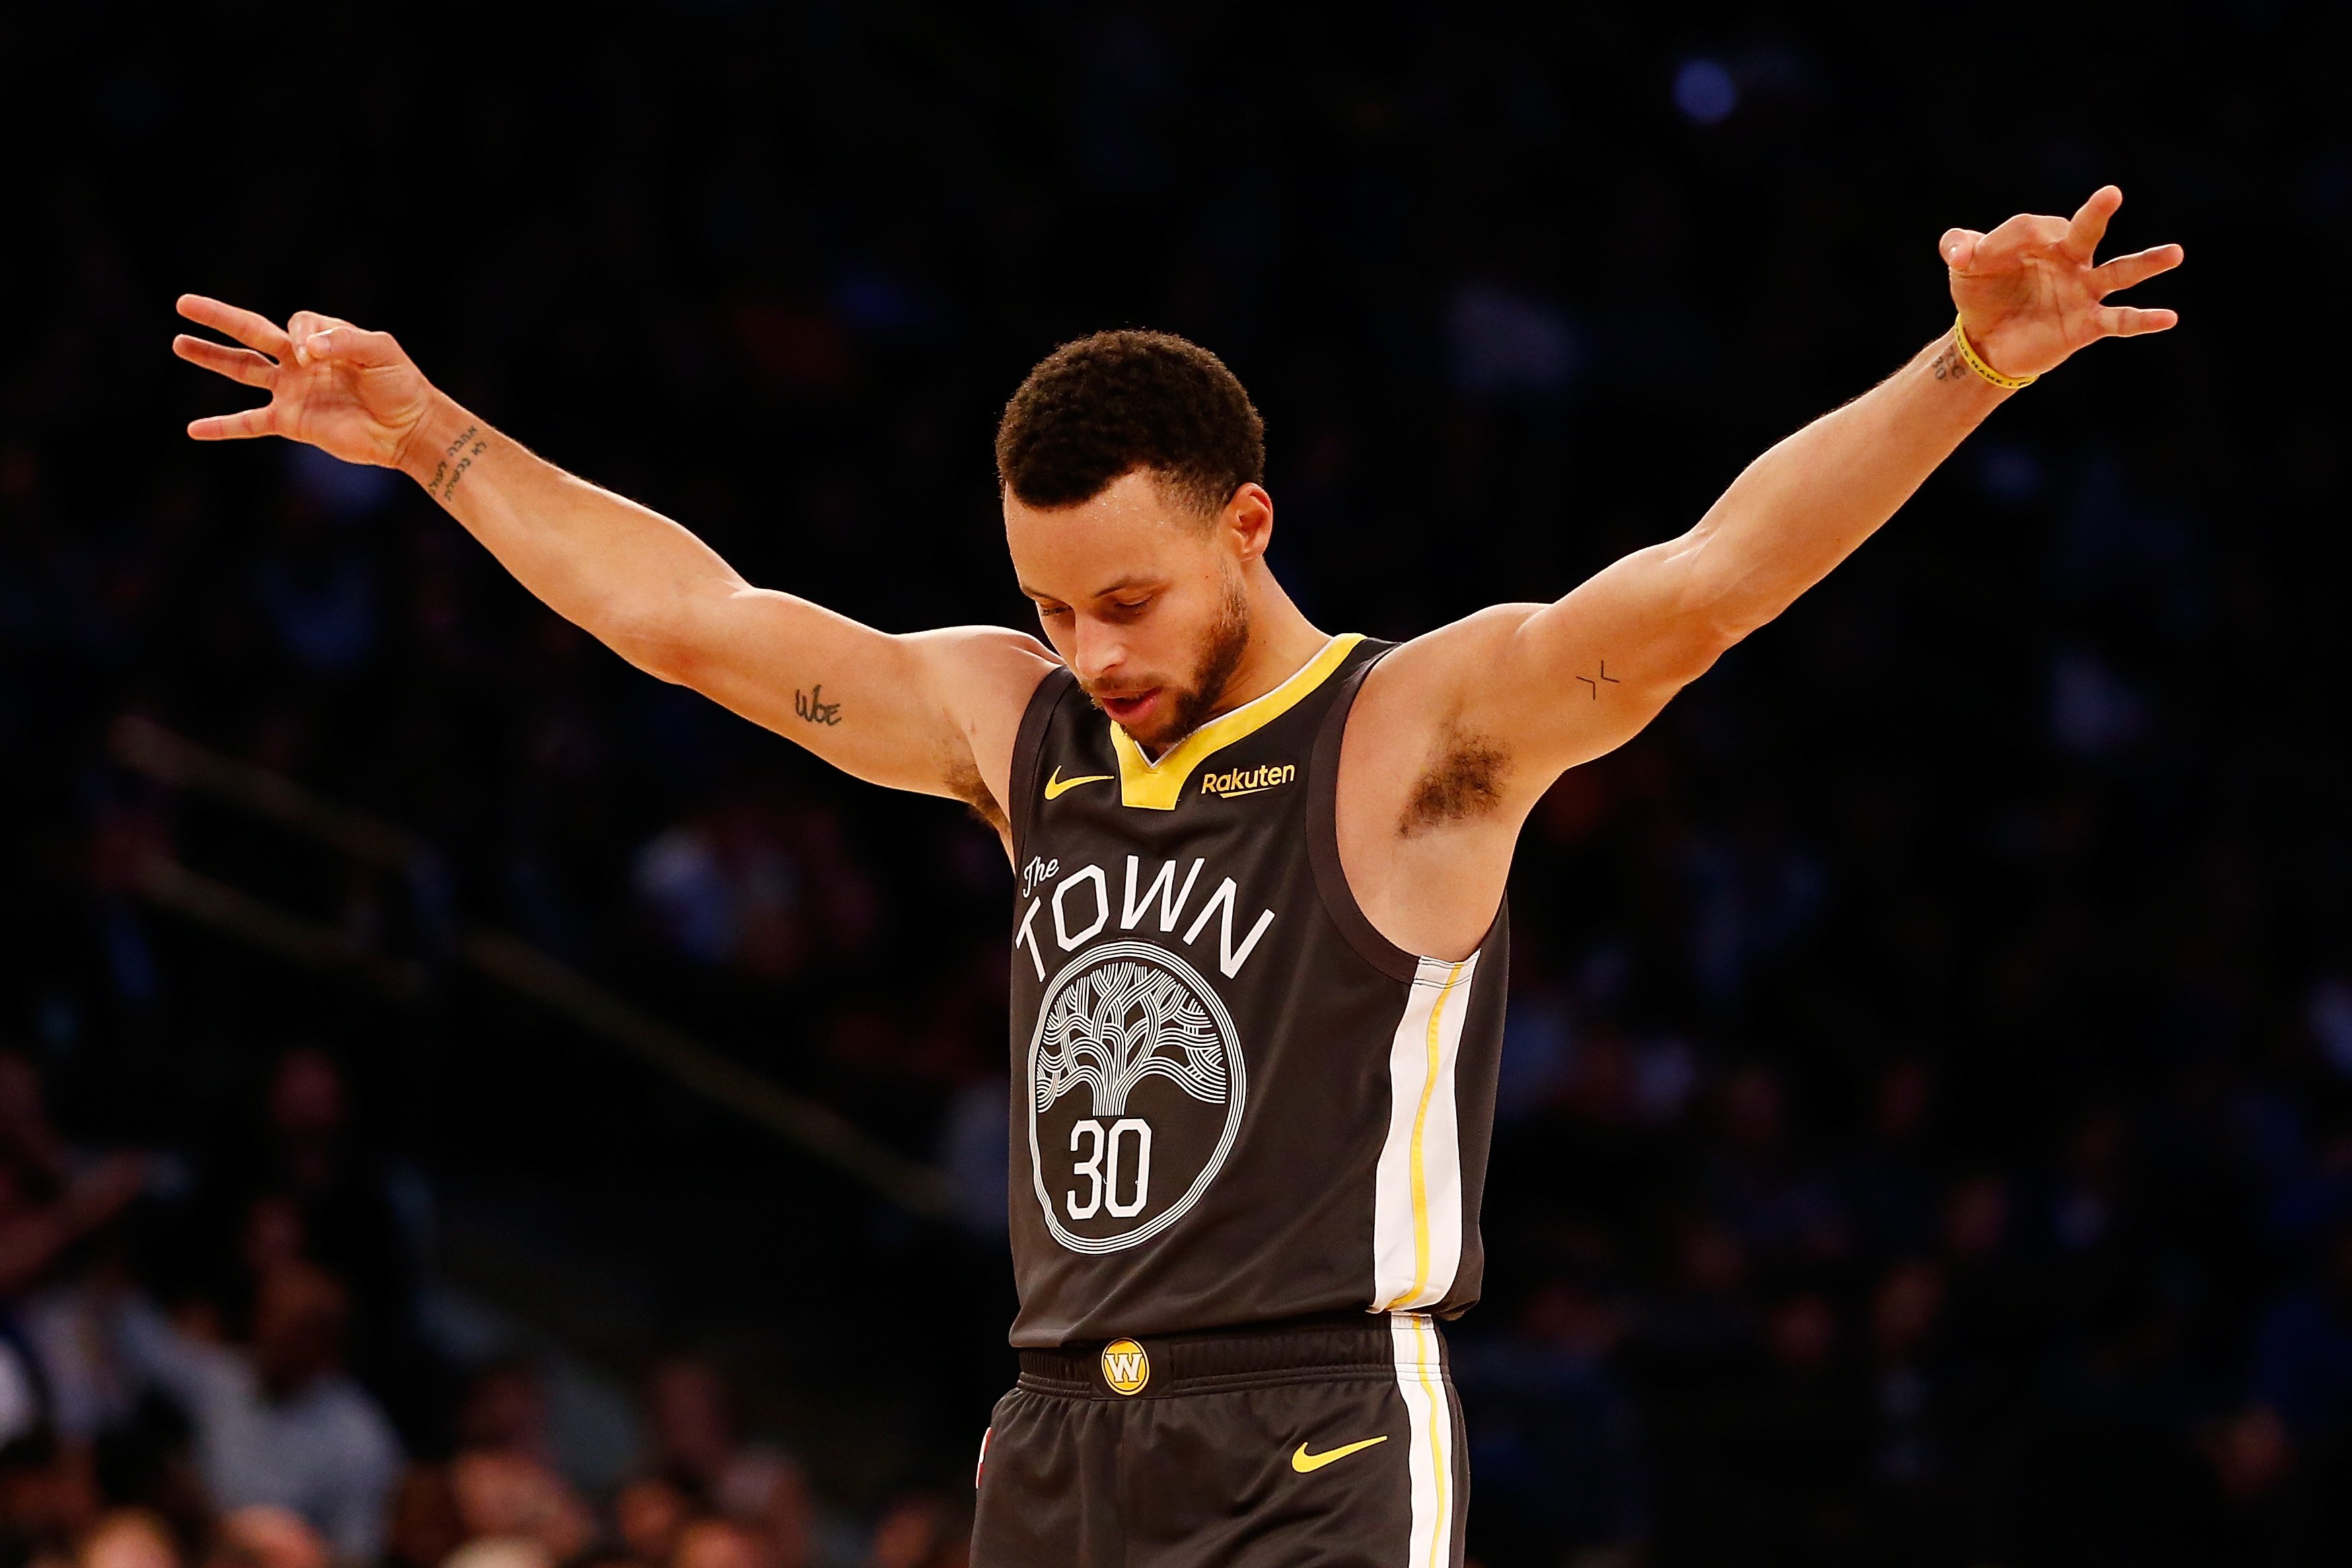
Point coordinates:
[(1057, 784), (1306, 1463)]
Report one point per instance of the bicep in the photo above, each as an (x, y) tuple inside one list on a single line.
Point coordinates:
[(921, 712), (1555, 685)]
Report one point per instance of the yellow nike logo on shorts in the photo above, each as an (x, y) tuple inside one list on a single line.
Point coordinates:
[(1057, 784), (1306, 1463)]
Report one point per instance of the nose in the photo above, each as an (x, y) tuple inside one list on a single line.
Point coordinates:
[(1098, 653)]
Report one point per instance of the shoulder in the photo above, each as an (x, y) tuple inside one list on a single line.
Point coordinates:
[(984, 672), (1451, 658), (1423, 689), (983, 678)]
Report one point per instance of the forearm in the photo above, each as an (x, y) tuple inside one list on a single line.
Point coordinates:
[(1804, 506), (932, 712), (626, 573), (1568, 681), (1550, 685)]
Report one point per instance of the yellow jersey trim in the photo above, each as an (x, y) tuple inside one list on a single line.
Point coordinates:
[(1158, 786), (1440, 1421), (1419, 1171)]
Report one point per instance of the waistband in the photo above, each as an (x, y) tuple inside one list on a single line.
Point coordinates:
[(1328, 1346)]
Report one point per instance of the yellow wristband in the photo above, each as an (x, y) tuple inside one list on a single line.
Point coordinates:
[(1977, 362)]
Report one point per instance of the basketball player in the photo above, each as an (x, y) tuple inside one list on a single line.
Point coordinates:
[(1258, 940)]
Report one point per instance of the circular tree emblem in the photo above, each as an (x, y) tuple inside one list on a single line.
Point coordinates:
[(1136, 1085)]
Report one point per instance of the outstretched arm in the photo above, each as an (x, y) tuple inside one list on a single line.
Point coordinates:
[(933, 712), (1553, 685)]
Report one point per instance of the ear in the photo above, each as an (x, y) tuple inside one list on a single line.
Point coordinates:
[(1247, 522)]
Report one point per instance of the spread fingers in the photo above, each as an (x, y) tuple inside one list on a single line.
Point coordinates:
[(237, 365), (231, 427), (2089, 225), (2123, 321), (2137, 268), (253, 332)]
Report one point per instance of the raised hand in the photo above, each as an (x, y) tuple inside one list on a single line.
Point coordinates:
[(2030, 295), (353, 393)]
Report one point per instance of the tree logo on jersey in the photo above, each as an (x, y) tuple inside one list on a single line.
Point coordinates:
[(1157, 1053), (1119, 1024)]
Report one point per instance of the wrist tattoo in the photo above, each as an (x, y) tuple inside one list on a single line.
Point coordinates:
[(811, 706), (456, 460), (1948, 363)]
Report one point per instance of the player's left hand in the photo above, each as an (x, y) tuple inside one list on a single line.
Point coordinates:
[(2030, 296)]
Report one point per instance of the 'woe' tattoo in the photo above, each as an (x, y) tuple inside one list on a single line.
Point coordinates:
[(460, 452), (1947, 364), (810, 705)]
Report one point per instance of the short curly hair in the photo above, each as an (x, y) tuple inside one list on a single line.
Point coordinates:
[(1103, 406)]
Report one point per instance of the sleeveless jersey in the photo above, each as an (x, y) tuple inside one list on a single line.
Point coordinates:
[(1232, 1099)]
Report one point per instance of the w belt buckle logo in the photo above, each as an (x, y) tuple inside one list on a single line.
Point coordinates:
[(1124, 1366)]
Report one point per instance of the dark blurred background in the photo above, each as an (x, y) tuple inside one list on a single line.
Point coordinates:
[(1926, 1122)]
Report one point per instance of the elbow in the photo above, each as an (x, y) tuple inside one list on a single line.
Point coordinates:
[(1721, 608), (1683, 662), (1705, 637), (1701, 631), (654, 648), (1731, 624)]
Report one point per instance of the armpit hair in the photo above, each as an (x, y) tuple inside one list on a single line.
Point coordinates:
[(1464, 781), (962, 778)]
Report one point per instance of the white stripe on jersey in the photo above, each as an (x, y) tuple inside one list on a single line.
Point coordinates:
[(1421, 1379), (1417, 1191)]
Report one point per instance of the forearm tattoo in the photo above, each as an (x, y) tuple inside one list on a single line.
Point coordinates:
[(811, 706), (1947, 364), (454, 460)]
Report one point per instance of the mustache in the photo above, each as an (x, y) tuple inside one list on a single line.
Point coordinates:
[(1097, 690)]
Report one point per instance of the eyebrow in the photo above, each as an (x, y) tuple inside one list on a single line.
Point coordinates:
[(1132, 579)]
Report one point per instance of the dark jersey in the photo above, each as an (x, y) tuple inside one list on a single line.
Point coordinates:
[(1233, 1100)]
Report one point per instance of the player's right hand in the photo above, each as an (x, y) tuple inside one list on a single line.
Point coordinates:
[(350, 392)]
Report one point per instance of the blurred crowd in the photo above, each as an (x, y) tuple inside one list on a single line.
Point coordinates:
[(1927, 1126), (229, 1363)]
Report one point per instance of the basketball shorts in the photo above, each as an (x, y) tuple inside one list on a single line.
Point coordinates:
[(1331, 1442)]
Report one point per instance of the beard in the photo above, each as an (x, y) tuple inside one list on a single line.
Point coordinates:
[(1219, 655)]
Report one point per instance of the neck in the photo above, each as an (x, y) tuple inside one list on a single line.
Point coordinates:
[(1281, 642)]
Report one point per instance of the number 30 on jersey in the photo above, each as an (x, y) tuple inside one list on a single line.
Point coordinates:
[(1115, 1179)]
